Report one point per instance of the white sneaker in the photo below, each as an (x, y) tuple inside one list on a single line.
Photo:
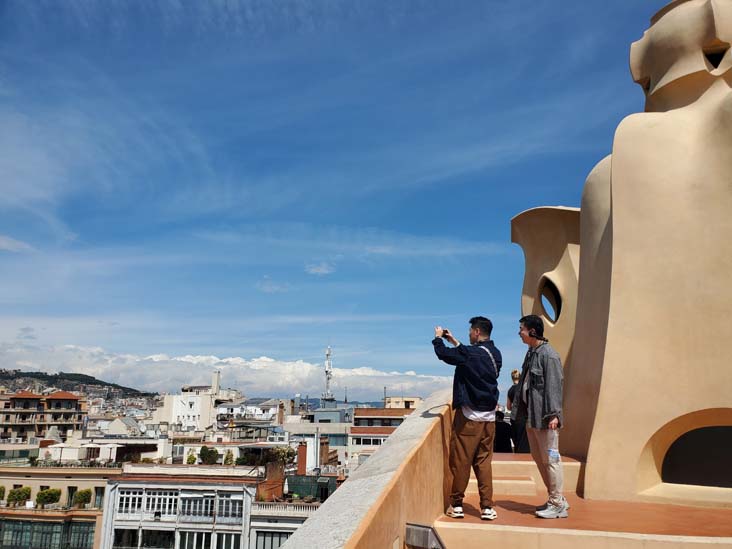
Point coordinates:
[(455, 512), (553, 511), (545, 505), (489, 514)]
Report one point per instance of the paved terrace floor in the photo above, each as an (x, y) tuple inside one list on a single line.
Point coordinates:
[(603, 516)]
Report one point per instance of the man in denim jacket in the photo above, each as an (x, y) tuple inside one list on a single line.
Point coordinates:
[(538, 402)]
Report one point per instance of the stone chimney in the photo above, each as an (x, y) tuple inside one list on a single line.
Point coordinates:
[(302, 458), (216, 382)]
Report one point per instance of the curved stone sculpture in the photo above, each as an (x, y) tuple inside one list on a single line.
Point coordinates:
[(550, 240), (650, 360)]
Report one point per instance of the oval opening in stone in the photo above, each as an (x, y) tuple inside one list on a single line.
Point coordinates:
[(551, 300)]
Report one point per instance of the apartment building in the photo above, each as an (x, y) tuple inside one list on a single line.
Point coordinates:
[(25, 415), (371, 427), (59, 525), (180, 507)]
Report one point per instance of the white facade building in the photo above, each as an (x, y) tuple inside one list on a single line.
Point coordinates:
[(194, 409), (199, 507)]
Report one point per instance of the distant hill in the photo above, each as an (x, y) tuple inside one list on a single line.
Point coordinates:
[(15, 379)]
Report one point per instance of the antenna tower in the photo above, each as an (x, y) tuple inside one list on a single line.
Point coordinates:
[(327, 397)]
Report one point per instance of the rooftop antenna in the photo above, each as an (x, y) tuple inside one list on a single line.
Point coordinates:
[(327, 397)]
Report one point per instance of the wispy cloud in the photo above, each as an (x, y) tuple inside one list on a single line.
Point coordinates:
[(269, 286), (8, 244), (348, 242), (320, 269)]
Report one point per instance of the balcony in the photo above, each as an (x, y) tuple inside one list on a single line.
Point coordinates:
[(157, 517), (197, 519), (228, 520), (284, 509), (131, 516)]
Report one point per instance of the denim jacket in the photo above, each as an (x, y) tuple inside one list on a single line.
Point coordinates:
[(542, 370), (476, 379)]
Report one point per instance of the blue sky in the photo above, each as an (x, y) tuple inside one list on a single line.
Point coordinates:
[(238, 184)]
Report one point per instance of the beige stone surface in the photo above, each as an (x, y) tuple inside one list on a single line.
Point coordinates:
[(649, 349)]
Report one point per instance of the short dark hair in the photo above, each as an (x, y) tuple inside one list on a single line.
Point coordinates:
[(535, 325), (483, 324)]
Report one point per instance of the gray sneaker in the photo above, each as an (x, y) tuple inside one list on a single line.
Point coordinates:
[(545, 505), (553, 511)]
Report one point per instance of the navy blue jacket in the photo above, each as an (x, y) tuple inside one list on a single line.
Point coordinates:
[(476, 380)]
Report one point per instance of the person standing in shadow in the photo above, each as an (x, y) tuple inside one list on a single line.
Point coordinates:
[(518, 427)]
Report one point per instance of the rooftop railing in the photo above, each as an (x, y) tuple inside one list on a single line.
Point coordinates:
[(284, 509)]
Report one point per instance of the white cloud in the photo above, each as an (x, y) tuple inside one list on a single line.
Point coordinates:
[(269, 286), (8, 244), (262, 376), (321, 269)]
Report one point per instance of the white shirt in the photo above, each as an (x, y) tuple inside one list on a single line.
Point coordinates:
[(476, 415)]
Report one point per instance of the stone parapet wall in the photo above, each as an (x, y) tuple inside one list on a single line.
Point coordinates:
[(404, 481)]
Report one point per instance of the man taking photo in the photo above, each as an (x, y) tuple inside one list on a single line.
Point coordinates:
[(474, 400)]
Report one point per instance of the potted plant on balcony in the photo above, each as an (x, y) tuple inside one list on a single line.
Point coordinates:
[(19, 496), (2, 493), (81, 498), (47, 497)]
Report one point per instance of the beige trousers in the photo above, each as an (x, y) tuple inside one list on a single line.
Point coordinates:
[(544, 445)]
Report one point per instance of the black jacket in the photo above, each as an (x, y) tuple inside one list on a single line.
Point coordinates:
[(476, 380)]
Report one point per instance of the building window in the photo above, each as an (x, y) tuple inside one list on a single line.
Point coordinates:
[(98, 496), (229, 507), (160, 539), (81, 535), (16, 533), (46, 535), (125, 538), (195, 540), (164, 502), (271, 540), (129, 501), (228, 541), (198, 507)]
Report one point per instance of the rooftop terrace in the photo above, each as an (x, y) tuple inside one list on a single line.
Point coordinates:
[(406, 483)]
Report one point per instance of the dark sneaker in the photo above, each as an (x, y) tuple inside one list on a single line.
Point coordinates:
[(553, 511), (455, 512), (488, 514)]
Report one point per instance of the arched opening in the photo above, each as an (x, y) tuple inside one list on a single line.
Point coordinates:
[(551, 300), (701, 457)]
